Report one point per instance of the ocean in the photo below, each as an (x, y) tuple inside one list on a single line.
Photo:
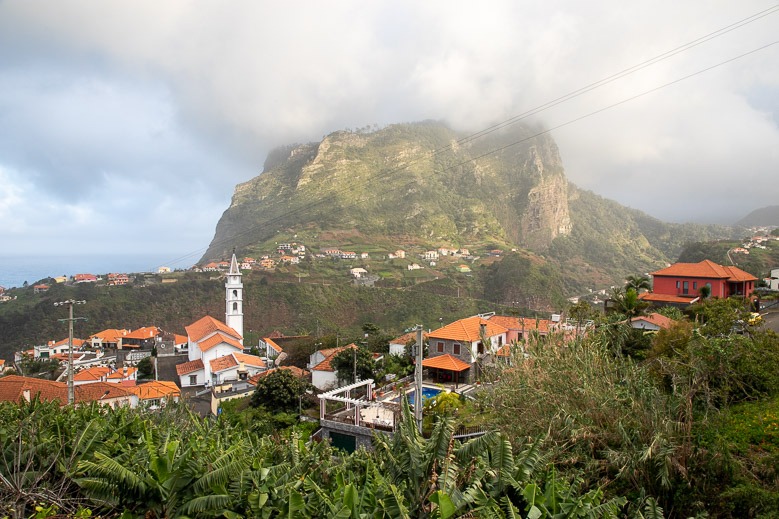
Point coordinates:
[(15, 270)]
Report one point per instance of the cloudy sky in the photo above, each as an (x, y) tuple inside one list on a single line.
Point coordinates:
[(126, 125)]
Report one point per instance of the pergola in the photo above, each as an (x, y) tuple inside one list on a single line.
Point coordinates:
[(446, 363)]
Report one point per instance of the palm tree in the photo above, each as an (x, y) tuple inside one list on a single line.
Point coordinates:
[(637, 283)]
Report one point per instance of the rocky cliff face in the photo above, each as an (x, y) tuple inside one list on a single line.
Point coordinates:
[(416, 181)]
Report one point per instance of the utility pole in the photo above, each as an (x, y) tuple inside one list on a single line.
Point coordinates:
[(418, 380), (70, 319)]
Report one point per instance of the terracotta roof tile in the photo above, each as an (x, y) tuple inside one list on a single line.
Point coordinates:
[(405, 338), (251, 360), (12, 388), (270, 342), (705, 269), (299, 373), (468, 329), (146, 332), (325, 365), (156, 389), (208, 325), (186, 368), (656, 319), (223, 363), (93, 374), (110, 335), (447, 361), (100, 391), (521, 323), (120, 373), (217, 339), (664, 298)]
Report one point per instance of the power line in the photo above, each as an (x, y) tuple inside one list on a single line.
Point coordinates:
[(515, 119)]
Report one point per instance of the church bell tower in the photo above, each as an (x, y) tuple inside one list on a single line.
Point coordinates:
[(234, 298)]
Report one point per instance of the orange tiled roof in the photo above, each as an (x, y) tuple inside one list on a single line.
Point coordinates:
[(186, 368), (223, 363), (299, 373), (664, 298), (705, 269), (99, 391), (468, 329), (219, 338), (447, 361), (521, 323), (270, 342), (405, 338), (110, 335), (146, 332), (12, 388), (77, 343), (330, 354), (156, 389), (120, 373), (93, 374), (656, 319), (251, 360), (179, 339), (208, 325)]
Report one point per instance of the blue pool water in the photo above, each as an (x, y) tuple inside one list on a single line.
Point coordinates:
[(427, 392)]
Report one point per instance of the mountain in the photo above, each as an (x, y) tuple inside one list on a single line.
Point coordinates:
[(765, 216), (426, 184)]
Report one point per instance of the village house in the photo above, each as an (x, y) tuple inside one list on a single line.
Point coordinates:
[(430, 255), (118, 279), (651, 322), (323, 374), (398, 254), (456, 348), (163, 270), (145, 337), (398, 345), (84, 278), (38, 289), (518, 328), (358, 272), (156, 394), (682, 283), (110, 338)]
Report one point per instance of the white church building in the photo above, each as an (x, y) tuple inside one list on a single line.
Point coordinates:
[(215, 348)]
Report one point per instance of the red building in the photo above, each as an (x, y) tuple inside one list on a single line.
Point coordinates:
[(685, 280)]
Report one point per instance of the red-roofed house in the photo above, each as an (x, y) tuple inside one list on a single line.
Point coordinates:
[(397, 346), (684, 281), (651, 322), (14, 388), (465, 340), (519, 327), (84, 278), (110, 338), (208, 340), (144, 337), (156, 394)]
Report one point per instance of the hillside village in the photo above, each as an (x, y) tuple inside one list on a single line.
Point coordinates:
[(209, 363)]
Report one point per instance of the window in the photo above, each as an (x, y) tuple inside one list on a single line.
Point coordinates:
[(500, 341), (695, 285), (678, 284), (235, 307), (456, 349), (192, 380), (686, 287), (440, 347), (235, 293)]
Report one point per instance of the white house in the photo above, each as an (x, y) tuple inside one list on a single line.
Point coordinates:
[(652, 322), (397, 346), (323, 375), (358, 272)]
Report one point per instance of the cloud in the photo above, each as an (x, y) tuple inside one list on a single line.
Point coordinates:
[(156, 106)]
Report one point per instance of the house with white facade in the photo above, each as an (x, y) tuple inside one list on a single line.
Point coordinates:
[(323, 374)]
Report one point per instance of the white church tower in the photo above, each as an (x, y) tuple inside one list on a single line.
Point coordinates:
[(234, 298)]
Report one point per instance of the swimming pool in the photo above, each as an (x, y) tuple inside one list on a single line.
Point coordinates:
[(427, 392)]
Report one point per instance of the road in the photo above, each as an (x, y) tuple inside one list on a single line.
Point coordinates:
[(771, 319)]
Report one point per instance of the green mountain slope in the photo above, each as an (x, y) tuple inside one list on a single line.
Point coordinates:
[(423, 184)]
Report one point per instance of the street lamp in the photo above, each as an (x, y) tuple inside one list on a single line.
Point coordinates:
[(70, 319)]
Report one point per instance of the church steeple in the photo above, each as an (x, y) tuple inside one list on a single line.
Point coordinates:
[(234, 298)]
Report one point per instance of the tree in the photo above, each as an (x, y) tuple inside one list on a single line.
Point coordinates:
[(145, 367), (637, 283), (344, 362), (627, 302), (279, 390)]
